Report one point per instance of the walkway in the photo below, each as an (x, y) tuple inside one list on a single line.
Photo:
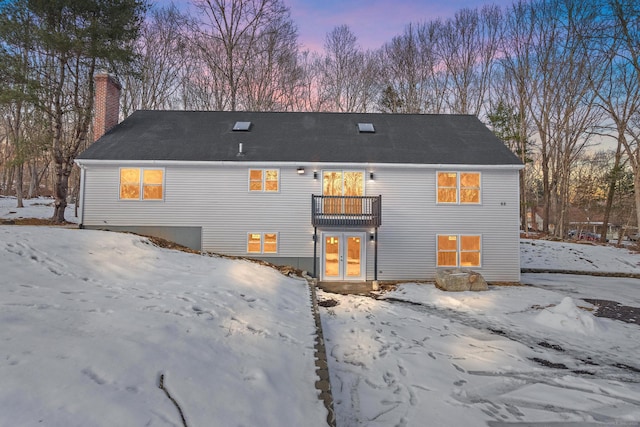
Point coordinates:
[(347, 288)]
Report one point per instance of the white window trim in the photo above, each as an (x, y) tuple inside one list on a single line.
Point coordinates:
[(458, 188), (141, 184), (458, 249), (264, 180), (262, 234)]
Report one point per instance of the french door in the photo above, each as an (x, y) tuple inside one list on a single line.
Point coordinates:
[(343, 256)]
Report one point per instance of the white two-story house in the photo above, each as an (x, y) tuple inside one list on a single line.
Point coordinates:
[(346, 197)]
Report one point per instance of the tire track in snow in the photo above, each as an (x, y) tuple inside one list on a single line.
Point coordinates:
[(586, 362)]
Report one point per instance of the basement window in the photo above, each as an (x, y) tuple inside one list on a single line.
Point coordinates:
[(366, 128), (459, 250), (242, 126), (262, 243)]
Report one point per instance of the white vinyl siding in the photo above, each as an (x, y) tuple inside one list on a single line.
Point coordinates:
[(215, 198), (411, 220)]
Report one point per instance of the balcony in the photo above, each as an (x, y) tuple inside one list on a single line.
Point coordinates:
[(346, 211)]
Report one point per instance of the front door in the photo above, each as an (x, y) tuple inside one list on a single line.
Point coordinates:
[(343, 256)]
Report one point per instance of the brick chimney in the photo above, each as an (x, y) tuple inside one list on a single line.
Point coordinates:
[(107, 104)]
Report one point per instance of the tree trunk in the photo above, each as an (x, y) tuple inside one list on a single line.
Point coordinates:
[(18, 184), (636, 191), (63, 171), (33, 180), (546, 195), (611, 193), (8, 182), (62, 182)]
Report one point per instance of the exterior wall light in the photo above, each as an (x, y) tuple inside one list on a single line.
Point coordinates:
[(371, 176), (315, 174), (300, 171)]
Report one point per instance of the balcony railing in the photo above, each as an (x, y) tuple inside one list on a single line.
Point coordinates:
[(346, 211)]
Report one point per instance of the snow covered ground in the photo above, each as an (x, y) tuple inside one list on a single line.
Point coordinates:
[(40, 207), (531, 354), (91, 321)]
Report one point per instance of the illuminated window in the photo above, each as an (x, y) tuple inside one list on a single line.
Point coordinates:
[(447, 187), (152, 184), (265, 243), (270, 243), (463, 187), (458, 251), (264, 180), (255, 180), (469, 251), (130, 184), (271, 180), (469, 187), (447, 251), (150, 187), (254, 243), (343, 183)]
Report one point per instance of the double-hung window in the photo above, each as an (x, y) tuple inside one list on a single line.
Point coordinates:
[(455, 250), (262, 243), (141, 184), (264, 180), (459, 187)]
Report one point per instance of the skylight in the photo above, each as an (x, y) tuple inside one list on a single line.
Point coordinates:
[(366, 128), (242, 126)]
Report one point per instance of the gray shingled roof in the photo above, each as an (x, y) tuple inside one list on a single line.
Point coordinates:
[(302, 137)]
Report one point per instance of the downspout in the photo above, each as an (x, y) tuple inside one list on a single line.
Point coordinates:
[(375, 255), (81, 198), (315, 250)]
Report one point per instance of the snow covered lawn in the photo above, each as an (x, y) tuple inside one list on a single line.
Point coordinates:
[(90, 320), (517, 354), (39, 207)]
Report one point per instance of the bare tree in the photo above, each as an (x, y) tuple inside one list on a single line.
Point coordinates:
[(274, 74), (618, 96), (626, 20), (513, 88), (203, 85), (340, 68), (309, 95), (348, 74), (410, 71), (562, 96), (153, 81), (231, 35), (467, 46)]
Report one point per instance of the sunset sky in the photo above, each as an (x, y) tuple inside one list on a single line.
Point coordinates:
[(374, 22)]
